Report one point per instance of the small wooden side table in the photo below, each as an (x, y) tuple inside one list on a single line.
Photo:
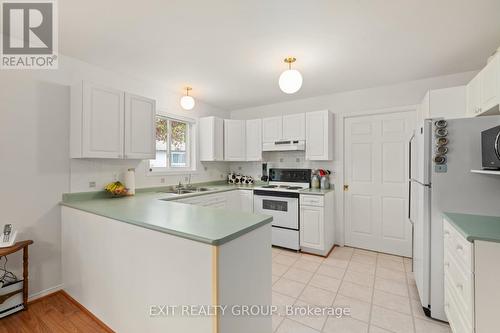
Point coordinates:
[(12, 249)]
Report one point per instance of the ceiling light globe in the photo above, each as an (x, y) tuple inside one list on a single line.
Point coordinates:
[(187, 102), (290, 81)]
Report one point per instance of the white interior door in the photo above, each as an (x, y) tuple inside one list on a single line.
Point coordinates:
[(376, 172)]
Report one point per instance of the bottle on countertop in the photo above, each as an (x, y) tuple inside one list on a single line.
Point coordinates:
[(325, 182), (130, 181), (315, 181)]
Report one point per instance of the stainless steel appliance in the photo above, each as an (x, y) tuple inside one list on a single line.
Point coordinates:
[(280, 199), (490, 146), (445, 185)]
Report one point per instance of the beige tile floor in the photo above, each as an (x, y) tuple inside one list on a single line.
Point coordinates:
[(378, 288)]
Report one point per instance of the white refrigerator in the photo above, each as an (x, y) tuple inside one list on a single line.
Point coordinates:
[(434, 191)]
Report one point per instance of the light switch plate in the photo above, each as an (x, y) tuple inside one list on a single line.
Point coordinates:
[(441, 168)]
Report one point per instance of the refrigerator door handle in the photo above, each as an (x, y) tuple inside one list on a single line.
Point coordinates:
[(410, 143), (409, 202)]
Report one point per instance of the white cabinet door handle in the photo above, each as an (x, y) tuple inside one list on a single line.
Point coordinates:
[(460, 249), (460, 287)]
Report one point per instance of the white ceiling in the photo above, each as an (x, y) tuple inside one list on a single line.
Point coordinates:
[(231, 51)]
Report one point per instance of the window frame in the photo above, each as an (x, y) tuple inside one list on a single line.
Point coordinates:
[(190, 148)]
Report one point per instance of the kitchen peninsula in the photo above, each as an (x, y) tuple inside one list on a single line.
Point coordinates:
[(125, 258)]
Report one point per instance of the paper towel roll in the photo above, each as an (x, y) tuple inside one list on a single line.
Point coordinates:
[(130, 181)]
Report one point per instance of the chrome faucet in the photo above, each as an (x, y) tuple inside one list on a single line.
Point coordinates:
[(189, 181)]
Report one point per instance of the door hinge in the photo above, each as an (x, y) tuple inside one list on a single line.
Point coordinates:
[(346, 187)]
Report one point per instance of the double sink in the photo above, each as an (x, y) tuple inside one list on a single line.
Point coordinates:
[(184, 190)]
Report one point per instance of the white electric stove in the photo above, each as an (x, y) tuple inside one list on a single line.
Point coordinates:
[(280, 199)]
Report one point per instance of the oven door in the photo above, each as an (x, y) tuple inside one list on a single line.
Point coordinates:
[(282, 206)]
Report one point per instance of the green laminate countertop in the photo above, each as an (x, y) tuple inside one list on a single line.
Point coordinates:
[(159, 211), (317, 191), (476, 227)]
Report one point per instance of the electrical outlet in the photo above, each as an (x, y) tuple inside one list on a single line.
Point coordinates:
[(297, 159), (162, 180), (281, 160), (92, 184), (205, 168), (239, 168)]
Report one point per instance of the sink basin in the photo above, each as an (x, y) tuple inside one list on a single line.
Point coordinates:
[(186, 190), (179, 191)]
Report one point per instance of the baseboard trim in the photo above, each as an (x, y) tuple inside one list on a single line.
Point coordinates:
[(44, 293), (90, 314)]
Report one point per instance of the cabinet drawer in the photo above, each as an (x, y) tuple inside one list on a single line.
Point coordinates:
[(312, 200), (459, 248), (461, 286), (453, 312)]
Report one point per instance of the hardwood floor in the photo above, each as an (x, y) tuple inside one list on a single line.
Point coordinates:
[(54, 313)]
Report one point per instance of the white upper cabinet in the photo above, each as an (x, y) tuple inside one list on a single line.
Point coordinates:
[(294, 127), (211, 134), (446, 103), (483, 92), (108, 123), (97, 121), (140, 131), (289, 127), (319, 136), (254, 140), (234, 140), (272, 129), (474, 96), (489, 84)]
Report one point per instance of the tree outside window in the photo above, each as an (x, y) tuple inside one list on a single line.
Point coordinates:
[(172, 145)]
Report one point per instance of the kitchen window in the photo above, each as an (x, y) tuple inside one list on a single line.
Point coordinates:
[(173, 146)]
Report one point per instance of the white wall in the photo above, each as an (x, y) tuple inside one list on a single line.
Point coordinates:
[(34, 151), (397, 97)]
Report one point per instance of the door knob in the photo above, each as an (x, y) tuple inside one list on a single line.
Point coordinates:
[(346, 187)]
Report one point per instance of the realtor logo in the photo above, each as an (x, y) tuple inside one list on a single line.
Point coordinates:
[(29, 38)]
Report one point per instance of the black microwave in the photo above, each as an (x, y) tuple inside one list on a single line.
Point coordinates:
[(490, 146)]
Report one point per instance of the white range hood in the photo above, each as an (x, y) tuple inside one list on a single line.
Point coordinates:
[(284, 145)]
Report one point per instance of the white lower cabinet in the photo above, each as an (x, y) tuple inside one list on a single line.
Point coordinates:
[(316, 223), (458, 280), (471, 275), (246, 200), (311, 231)]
